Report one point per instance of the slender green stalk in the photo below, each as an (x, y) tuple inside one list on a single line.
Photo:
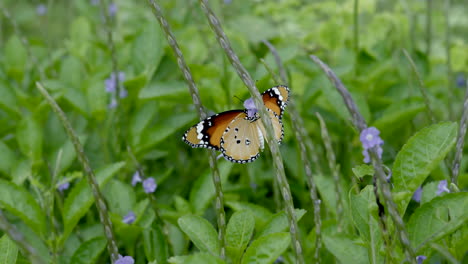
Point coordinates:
[(219, 204), (358, 121), (451, 95), (460, 139), (422, 89), (19, 239), (356, 25), (100, 202), (333, 168), (428, 27), (277, 159)]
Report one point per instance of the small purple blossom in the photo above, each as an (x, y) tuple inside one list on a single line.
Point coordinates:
[(461, 81), (365, 152), (129, 218), (136, 178), (370, 137), (123, 93), (417, 194), (64, 186), (149, 184), (112, 9), (250, 106), (125, 260), (420, 259), (41, 9), (442, 187), (113, 104)]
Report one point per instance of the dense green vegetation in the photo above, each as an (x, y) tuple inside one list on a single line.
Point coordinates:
[(111, 70)]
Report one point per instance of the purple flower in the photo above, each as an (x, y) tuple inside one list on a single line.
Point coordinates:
[(41, 9), (442, 187), (366, 154), (64, 186), (461, 82), (417, 194), (136, 178), (250, 106), (113, 104), (370, 137), (129, 218), (149, 185), (125, 260), (123, 93), (420, 259), (112, 9)]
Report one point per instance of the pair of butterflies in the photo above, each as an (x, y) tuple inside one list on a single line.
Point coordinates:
[(239, 134)]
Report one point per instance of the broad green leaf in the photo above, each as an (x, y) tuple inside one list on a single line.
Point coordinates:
[(119, 196), (154, 244), (164, 90), (97, 98), (81, 198), (438, 218), (140, 120), (30, 138), (397, 115), (345, 249), (201, 233), (89, 251), (261, 214), (363, 170), (22, 204), (197, 258), (80, 34), (15, 58), (279, 223), (266, 249), (8, 250), (7, 159), (238, 233), (8, 101), (203, 191), (418, 157), (152, 42), (182, 206), (326, 187), (364, 213)]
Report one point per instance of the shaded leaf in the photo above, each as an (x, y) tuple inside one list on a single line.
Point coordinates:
[(8, 250), (201, 233), (267, 249), (89, 251), (238, 233)]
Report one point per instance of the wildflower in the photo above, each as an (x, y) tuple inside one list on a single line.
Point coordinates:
[(112, 9), (125, 260), (420, 259), (136, 178), (250, 106), (64, 186), (149, 185), (442, 187), (113, 103), (370, 138), (41, 9), (280, 259), (129, 218), (461, 82), (417, 194), (123, 93)]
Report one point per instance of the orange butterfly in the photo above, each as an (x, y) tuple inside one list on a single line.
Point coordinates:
[(239, 134)]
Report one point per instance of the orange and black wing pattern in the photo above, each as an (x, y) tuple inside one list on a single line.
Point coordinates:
[(276, 99)]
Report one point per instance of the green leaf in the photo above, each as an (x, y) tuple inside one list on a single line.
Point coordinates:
[(261, 214), (154, 244), (119, 196), (8, 250), (201, 232), (238, 233), (363, 170), (163, 90), (152, 42), (89, 251), (203, 192), (397, 115), (7, 159), (8, 101), (345, 249), (80, 35), (15, 58), (438, 218), (267, 249), (140, 120), (30, 137), (96, 98), (22, 204), (81, 198), (197, 258), (254, 28), (279, 223), (418, 157)]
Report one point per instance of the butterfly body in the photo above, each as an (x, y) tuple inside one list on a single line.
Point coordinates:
[(239, 134)]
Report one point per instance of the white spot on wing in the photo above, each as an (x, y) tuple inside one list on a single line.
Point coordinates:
[(199, 130)]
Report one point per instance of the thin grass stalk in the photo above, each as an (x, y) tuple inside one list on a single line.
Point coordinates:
[(422, 89), (358, 121), (333, 168), (277, 159), (98, 197), (201, 112), (26, 249), (301, 137), (460, 139), (449, 58), (356, 26), (428, 27)]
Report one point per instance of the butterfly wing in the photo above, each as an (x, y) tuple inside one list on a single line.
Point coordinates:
[(242, 140), (207, 133), (276, 99)]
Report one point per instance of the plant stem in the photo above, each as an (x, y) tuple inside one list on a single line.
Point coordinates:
[(428, 27), (460, 139)]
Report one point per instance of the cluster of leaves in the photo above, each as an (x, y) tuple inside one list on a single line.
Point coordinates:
[(68, 51)]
